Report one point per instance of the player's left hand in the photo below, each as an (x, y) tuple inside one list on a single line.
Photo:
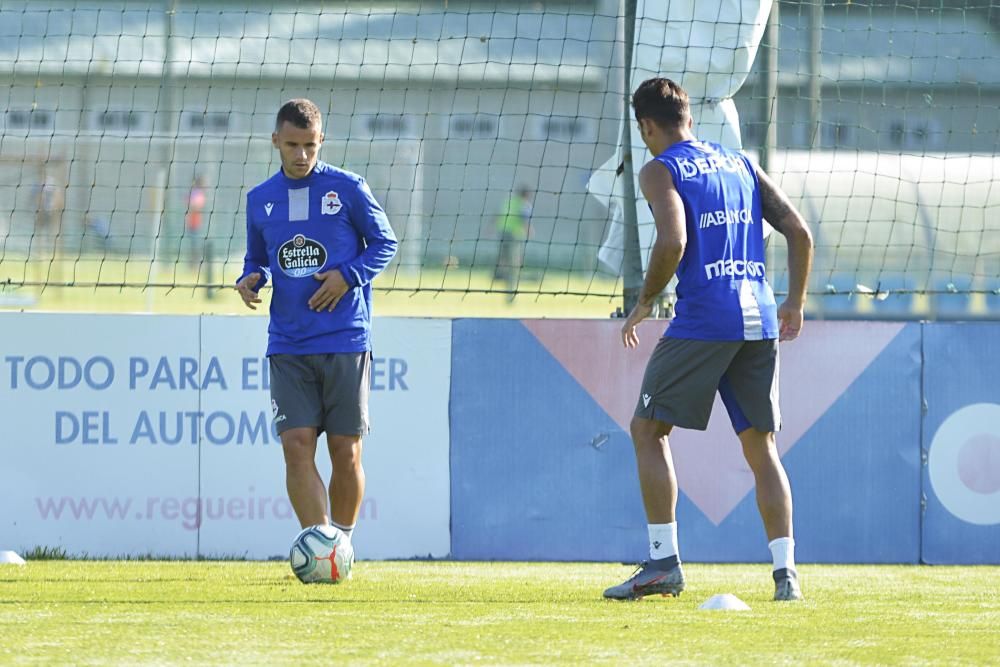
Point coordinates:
[(629, 337), (790, 321), (328, 295)]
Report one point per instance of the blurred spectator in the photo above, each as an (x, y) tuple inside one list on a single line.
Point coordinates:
[(512, 228), (50, 202), (193, 221)]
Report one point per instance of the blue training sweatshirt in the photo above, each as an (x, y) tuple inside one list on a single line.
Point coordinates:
[(299, 227)]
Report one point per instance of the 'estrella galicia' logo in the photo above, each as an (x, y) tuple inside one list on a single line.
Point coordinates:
[(301, 257)]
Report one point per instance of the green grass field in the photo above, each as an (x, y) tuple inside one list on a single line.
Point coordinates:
[(431, 292), (242, 613)]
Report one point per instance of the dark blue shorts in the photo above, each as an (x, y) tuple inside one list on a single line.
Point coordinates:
[(683, 375), (325, 391)]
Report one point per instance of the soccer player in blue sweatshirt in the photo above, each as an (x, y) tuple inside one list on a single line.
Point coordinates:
[(709, 204), (317, 233)]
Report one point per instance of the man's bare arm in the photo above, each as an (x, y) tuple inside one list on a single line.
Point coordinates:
[(783, 216), (671, 236)]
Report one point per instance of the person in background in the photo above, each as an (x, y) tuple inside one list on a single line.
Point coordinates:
[(194, 221), (50, 203), (512, 228)]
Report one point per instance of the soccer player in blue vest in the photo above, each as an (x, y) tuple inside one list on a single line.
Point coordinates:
[(708, 204), (318, 234)]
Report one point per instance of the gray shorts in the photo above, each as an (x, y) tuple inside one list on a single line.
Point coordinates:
[(325, 391), (683, 375)]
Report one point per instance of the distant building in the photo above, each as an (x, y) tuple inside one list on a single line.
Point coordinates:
[(894, 80)]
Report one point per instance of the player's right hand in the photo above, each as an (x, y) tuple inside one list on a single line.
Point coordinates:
[(629, 336), (790, 318), (245, 288)]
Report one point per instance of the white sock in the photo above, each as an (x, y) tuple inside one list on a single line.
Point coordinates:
[(346, 530), (783, 553), (662, 540)]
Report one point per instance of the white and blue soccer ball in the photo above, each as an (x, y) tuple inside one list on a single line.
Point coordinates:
[(322, 555)]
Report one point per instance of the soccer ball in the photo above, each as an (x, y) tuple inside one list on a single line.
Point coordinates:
[(322, 555)]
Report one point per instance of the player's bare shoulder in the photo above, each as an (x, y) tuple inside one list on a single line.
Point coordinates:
[(655, 176)]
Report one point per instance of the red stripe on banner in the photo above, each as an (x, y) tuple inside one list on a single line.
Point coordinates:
[(816, 370)]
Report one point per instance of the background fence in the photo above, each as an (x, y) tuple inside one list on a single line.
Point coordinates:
[(132, 131)]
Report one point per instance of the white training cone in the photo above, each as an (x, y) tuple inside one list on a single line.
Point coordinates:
[(10, 558), (725, 601)]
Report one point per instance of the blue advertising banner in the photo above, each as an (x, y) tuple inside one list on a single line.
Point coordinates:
[(543, 468), (961, 439), (514, 435), (539, 471), (856, 473)]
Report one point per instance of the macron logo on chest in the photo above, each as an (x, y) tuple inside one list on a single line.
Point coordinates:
[(298, 204)]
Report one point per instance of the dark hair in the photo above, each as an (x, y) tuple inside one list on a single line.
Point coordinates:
[(300, 112), (662, 101)]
